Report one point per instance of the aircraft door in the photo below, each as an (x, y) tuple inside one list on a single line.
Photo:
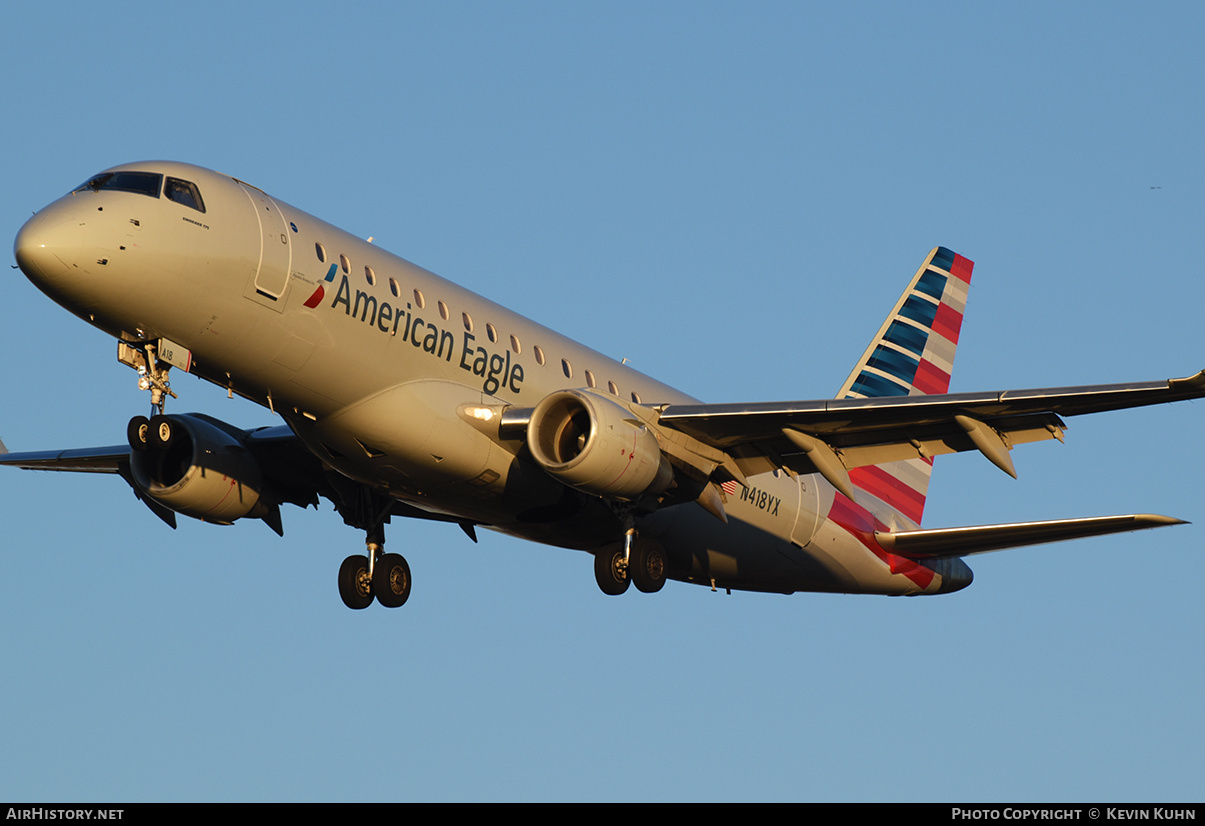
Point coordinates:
[(807, 517), (267, 286)]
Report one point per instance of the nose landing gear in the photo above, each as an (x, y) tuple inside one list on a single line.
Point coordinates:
[(149, 434), (144, 356)]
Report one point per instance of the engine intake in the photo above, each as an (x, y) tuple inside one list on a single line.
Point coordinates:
[(204, 471), (596, 446)]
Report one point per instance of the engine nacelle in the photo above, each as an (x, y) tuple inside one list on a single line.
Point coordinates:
[(596, 446), (204, 472)]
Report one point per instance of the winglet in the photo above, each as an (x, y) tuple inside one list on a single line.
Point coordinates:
[(3, 449), (1195, 382)]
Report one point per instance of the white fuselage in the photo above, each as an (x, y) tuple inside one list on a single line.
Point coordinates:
[(393, 376)]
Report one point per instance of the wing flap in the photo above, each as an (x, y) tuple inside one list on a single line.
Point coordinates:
[(957, 542)]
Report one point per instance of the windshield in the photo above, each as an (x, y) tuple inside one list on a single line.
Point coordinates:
[(184, 192), (144, 183)]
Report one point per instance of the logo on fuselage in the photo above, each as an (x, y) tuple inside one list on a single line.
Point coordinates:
[(496, 370), (316, 299)]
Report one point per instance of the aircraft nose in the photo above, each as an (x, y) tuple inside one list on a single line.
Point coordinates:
[(47, 247)]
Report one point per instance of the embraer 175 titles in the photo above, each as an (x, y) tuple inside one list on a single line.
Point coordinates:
[(406, 395)]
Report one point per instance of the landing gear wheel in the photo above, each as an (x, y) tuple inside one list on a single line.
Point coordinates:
[(354, 586), (391, 580), (609, 570), (163, 431), (138, 433), (647, 565)]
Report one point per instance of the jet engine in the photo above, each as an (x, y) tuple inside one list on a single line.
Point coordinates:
[(196, 466), (597, 446)]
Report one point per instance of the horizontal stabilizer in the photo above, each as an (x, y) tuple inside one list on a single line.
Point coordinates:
[(954, 542)]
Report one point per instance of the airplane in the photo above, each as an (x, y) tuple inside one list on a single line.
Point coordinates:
[(406, 395)]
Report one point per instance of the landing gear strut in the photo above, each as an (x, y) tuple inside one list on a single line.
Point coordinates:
[(385, 577), (634, 561), (143, 356)]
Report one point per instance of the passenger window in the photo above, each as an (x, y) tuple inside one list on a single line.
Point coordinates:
[(345, 264), (468, 321), (635, 397), (370, 276), (613, 388), (590, 379), (443, 311), (394, 287), (491, 332), (420, 300), (184, 192), (567, 368), (514, 345), (539, 351), (320, 251)]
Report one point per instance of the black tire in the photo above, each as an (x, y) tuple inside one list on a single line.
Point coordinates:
[(391, 580), (647, 566), (162, 432), (608, 571), (138, 433), (354, 587)]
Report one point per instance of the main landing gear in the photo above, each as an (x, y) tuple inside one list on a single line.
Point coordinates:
[(634, 561), (385, 577)]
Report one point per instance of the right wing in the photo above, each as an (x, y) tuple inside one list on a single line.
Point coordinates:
[(83, 460), (291, 472)]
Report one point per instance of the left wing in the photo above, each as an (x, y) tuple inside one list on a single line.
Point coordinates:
[(833, 435)]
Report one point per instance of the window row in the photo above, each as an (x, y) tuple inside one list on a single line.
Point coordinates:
[(420, 301)]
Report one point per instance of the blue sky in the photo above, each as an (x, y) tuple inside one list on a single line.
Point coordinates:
[(731, 196)]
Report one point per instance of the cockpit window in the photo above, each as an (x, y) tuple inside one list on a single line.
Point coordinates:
[(144, 183), (184, 192)]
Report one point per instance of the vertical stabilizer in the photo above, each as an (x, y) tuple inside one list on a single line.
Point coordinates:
[(912, 355)]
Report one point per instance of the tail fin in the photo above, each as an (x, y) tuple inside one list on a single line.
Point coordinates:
[(912, 355), (913, 352)]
